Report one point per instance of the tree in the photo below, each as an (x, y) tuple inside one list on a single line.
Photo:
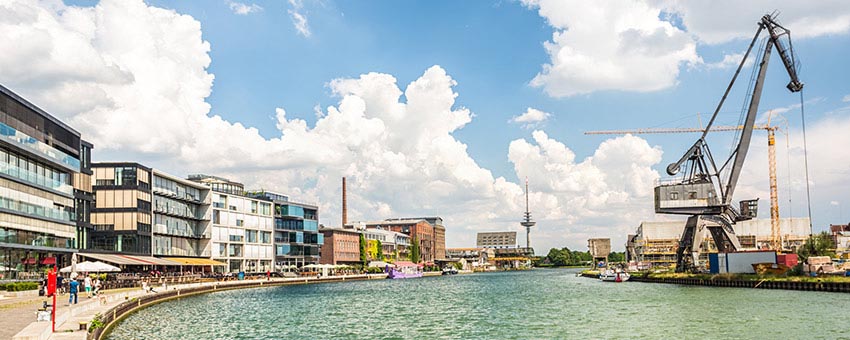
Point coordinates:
[(817, 245), (363, 257), (415, 256), (380, 253), (617, 257), (559, 257)]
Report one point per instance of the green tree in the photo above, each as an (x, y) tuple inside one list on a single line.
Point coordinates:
[(415, 256), (817, 245), (380, 247), (617, 257), (364, 259), (559, 257)]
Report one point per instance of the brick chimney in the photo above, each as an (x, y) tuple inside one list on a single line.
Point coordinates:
[(344, 205)]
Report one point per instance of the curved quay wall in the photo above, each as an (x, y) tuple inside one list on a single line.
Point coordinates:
[(112, 316), (838, 287)]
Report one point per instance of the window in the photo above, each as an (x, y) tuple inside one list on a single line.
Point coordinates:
[(692, 195), (674, 195)]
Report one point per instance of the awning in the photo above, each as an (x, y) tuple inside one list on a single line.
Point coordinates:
[(192, 261), (130, 260), (48, 260)]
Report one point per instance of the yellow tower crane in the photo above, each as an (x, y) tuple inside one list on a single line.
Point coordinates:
[(775, 238)]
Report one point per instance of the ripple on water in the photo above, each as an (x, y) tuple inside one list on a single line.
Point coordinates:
[(540, 304)]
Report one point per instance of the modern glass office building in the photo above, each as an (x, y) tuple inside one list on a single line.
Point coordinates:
[(44, 165), (297, 239), (144, 211), (242, 226), (122, 213)]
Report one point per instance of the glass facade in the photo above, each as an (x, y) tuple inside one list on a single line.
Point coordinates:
[(21, 167), (17, 138), (39, 162), (296, 230)]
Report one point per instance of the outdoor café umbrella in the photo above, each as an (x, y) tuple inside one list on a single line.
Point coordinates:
[(90, 267)]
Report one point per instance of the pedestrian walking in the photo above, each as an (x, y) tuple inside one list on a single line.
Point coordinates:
[(88, 285), (60, 284), (73, 287), (97, 285)]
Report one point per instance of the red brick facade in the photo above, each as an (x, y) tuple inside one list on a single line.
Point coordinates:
[(340, 247)]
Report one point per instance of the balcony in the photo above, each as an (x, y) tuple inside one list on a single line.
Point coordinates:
[(34, 178), (22, 140)]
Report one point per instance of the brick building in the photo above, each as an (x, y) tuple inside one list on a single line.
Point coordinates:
[(341, 246)]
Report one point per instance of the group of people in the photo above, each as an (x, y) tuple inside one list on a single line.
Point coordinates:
[(91, 286)]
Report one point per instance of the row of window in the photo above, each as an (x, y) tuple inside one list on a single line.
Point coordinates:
[(56, 213), (139, 244), (38, 147), (32, 238), (172, 187), (34, 172), (236, 203), (175, 246), (175, 207), (296, 250)]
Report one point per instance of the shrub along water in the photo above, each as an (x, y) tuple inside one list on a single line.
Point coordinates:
[(18, 286)]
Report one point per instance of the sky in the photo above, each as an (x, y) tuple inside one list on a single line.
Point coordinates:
[(441, 107)]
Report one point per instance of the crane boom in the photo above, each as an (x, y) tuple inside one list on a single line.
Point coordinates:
[(697, 193), (776, 32)]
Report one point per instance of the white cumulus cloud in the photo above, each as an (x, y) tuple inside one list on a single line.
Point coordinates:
[(610, 45), (641, 45), (846, 98), (531, 117), (244, 9), (142, 72)]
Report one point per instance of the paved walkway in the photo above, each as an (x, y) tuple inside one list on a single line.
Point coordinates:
[(16, 313), (68, 318)]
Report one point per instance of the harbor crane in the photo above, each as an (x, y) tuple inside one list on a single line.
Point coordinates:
[(775, 234), (702, 192)]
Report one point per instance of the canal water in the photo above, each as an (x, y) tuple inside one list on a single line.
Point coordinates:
[(538, 304)]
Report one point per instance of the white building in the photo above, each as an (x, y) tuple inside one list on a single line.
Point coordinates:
[(242, 227)]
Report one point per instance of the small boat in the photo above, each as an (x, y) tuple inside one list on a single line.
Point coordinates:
[(449, 271), (614, 275), (404, 270)]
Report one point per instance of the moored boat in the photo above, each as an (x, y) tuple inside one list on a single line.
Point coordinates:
[(611, 275), (404, 270)]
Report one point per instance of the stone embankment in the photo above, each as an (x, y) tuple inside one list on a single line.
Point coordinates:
[(842, 287)]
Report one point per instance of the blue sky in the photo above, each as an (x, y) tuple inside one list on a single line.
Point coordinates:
[(494, 50)]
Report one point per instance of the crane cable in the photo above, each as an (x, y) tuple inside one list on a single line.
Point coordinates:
[(806, 162)]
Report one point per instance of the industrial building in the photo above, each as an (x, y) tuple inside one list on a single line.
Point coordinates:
[(45, 189), (428, 231), (655, 243), (341, 246), (498, 239), (599, 248), (841, 238)]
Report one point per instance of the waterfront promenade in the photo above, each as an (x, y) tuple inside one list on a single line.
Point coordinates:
[(68, 318)]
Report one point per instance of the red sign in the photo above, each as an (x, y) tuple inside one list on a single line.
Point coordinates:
[(51, 282)]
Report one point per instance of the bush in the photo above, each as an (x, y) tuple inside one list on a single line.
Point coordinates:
[(19, 286), (374, 270), (96, 323)]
